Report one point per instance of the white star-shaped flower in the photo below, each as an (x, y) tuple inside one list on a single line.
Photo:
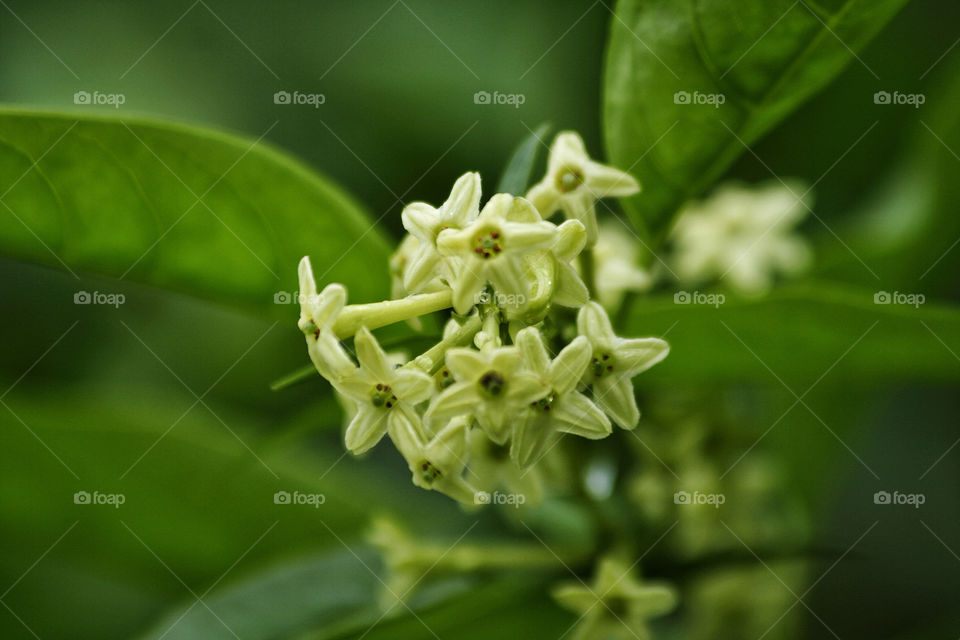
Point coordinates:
[(574, 183), (569, 289), (492, 385), (439, 464), (386, 398), (563, 408), (425, 223), (614, 364), (492, 249), (318, 313)]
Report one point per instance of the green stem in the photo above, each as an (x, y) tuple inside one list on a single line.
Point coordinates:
[(435, 353), (380, 314), (490, 315), (498, 556), (588, 270), (491, 323)]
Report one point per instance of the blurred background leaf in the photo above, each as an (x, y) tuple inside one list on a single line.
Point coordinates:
[(784, 336), (322, 590), (519, 170)]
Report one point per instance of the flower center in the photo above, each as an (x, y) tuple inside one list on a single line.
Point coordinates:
[(492, 382), (543, 404), (444, 379), (428, 472), (382, 396), (488, 245), (310, 327), (617, 606), (602, 365), (569, 179), (499, 452)]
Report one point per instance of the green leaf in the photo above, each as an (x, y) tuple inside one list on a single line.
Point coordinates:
[(194, 494), (199, 211), (320, 596), (516, 175), (329, 590), (797, 334), (764, 57), (906, 232), (518, 603)]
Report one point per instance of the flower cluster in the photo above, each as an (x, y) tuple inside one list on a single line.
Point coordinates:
[(515, 366), (742, 235)]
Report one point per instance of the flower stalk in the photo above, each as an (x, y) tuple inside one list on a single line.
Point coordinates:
[(380, 314), (588, 271), (431, 360)]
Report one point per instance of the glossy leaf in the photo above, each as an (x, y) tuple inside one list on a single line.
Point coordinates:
[(199, 211), (689, 84), (329, 590), (516, 603)]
